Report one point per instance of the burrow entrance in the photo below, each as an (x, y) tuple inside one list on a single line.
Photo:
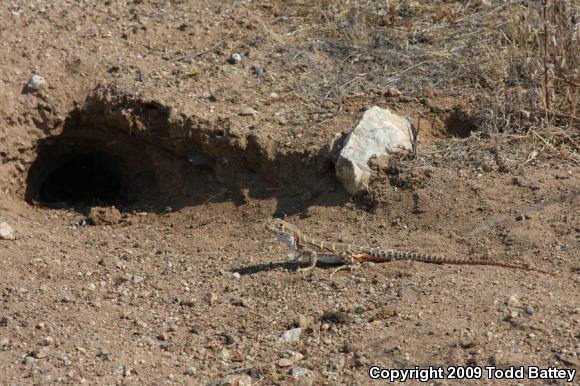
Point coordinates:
[(86, 171), (141, 155), (83, 178)]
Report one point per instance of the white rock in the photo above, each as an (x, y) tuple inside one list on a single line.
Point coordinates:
[(190, 371), (291, 336), (35, 83), (6, 231), (298, 372), (236, 380), (47, 341), (512, 301), (289, 358), (379, 132), (235, 58), (248, 111)]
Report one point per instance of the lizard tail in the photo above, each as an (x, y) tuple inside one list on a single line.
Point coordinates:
[(380, 256)]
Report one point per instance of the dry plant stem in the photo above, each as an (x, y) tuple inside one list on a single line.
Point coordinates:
[(197, 54), (546, 76)]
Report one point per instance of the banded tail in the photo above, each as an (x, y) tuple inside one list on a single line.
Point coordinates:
[(381, 256)]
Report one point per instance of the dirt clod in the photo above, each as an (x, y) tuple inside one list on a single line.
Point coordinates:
[(104, 216)]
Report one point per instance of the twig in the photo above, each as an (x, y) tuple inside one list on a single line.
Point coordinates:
[(353, 79), (187, 58), (215, 196), (414, 135), (543, 140)]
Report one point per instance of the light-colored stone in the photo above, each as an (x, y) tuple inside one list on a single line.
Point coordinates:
[(248, 111), (236, 380), (235, 58), (35, 83), (6, 231), (512, 301), (291, 336), (289, 358), (379, 132), (191, 371), (285, 362), (298, 372)]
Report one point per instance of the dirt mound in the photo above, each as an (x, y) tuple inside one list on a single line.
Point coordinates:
[(141, 154)]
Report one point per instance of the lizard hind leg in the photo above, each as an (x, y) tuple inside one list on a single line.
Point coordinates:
[(351, 265)]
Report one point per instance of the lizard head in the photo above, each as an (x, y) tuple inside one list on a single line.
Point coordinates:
[(279, 227), (287, 233)]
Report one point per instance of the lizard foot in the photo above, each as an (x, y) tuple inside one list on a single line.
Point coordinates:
[(351, 267)]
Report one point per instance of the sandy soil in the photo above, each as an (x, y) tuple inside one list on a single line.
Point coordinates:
[(184, 285)]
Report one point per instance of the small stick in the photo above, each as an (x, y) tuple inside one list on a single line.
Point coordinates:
[(186, 58)]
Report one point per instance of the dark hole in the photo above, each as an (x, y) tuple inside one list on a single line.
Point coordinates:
[(82, 179), (460, 124)]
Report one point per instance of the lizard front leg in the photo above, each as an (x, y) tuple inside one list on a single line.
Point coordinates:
[(312, 258)]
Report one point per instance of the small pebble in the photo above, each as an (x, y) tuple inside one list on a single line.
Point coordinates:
[(224, 354), (297, 372), (393, 92), (291, 336), (236, 275), (138, 279), (337, 317), (236, 380), (35, 83), (6, 231), (289, 358), (47, 341), (189, 302), (285, 362), (257, 69), (190, 371), (235, 58), (512, 301), (28, 360), (248, 111), (228, 338), (347, 347), (303, 321), (210, 298)]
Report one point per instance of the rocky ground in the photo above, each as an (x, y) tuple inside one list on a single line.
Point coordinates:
[(183, 285)]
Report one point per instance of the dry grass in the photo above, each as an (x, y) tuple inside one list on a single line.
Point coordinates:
[(541, 87), (523, 69)]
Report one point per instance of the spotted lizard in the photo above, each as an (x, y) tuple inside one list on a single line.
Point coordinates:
[(348, 255)]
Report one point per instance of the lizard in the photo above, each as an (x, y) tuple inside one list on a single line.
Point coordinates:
[(348, 255)]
